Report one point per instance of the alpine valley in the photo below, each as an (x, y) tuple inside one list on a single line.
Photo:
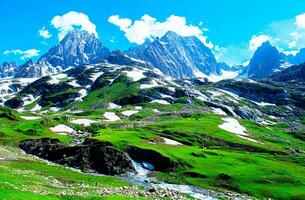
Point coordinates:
[(162, 120)]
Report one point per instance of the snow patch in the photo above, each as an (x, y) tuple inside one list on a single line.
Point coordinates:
[(84, 122), (159, 101), (56, 79), (147, 86), (135, 74), (138, 107), (113, 106), (62, 129), (111, 116), (219, 111), (30, 117), (233, 126), (171, 142), (129, 112)]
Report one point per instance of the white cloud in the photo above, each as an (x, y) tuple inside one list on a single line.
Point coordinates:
[(44, 33), (257, 40), (26, 54), (72, 20), (149, 28), (300, 21)]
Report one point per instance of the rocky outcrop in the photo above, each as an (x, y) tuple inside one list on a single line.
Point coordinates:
[(159, 161), (90, 156)]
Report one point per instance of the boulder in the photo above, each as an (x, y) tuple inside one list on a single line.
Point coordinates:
[(90, 156)]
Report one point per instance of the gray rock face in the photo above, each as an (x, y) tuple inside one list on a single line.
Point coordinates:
[(266, 61), (7, 69), (176, 56), (77, 48), (35, 70)]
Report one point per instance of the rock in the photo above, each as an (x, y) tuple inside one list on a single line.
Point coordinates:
[(160, 162), (92, 155)]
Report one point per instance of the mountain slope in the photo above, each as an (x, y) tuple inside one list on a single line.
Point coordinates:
[(77, 48), (179, 57), (294, 73), (265, 61), (7, 69)]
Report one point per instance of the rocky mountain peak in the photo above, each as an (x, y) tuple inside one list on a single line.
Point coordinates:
[(266, 60)]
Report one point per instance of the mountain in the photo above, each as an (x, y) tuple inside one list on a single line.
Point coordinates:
[(177, 56), (77, 48), (295, 73), (298, 58), (266, 61), (31, 69), (7, 69)]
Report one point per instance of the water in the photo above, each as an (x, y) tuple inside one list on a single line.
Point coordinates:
[(142, 178)]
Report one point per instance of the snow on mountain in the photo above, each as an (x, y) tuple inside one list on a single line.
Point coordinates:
[(77, 48), (266, 61), (7, 69), (177, 56)]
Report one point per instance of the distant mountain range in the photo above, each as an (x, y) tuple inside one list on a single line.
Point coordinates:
[(174, 55), (268, 60)]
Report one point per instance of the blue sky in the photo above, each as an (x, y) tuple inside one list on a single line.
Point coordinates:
[(231, 24)]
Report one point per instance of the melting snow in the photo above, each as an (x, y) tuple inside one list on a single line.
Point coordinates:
[(233, 126), (56, 78), (159, 101), (84, 122), (129, 112), (263, 103), (138, 107), (111, 116), (74, 83), (62, 129), (83, 93), (171, 142), (54, 109), (147, 86), (37, 107), (135, 74), (113, 106), (155, 110), (219, 111), (95, 76), (30, 117), (166, 96)]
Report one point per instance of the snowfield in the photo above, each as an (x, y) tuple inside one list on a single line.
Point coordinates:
[(135, 74), (84, 122), (171, 142), (128, 113), (159, 101), (232, 125), (111, 116), (113, 106), (30, 117), (219, 111), (62, 129)]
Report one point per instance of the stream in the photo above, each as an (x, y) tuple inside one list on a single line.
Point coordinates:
[(142, 178)]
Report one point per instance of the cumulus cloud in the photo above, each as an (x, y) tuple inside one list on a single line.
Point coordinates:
[(300, 21), (149, 28), (26, 54), (44, 33), (257, 40), (71, 21)]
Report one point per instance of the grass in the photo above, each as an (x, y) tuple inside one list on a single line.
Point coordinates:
[(257, 174)]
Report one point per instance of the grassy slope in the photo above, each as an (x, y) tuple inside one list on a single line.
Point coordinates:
[(24, 178), (257, 174)]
